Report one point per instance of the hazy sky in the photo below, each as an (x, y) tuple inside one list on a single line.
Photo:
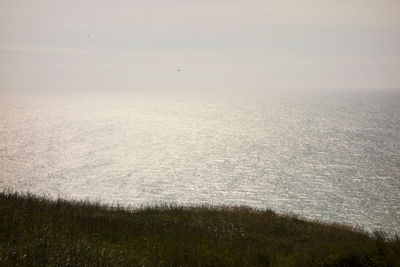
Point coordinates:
[(245, 45)]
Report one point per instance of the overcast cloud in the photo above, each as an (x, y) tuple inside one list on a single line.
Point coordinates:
[(234, 45)]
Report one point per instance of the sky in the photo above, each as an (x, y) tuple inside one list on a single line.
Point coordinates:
[(216, 44)]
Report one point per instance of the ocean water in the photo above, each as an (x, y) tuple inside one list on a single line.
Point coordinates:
[(332, 156)]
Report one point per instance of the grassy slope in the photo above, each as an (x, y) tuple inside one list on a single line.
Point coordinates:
[(36, 231)]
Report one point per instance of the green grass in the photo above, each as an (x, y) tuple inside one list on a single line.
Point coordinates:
[(35, 231)]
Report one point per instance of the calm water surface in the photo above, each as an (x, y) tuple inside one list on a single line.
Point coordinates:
[(328, 156)]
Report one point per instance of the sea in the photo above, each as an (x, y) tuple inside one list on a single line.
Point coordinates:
[(332, 156)]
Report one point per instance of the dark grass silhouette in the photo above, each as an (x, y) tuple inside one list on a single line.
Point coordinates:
[(35, 231)]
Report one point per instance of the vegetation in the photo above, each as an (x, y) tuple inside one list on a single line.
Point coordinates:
[(35, 231)]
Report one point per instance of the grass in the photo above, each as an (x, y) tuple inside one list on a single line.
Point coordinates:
[(35, 231)]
